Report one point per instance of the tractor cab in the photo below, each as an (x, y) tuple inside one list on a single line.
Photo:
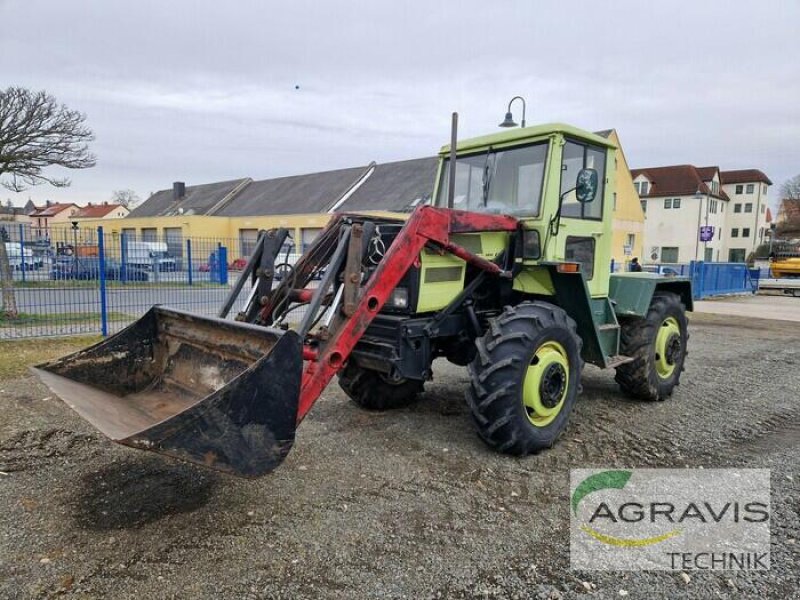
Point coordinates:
[(556, 179)]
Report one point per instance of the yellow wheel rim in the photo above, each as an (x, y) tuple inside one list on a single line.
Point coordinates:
[(546, 384), (668, 347)]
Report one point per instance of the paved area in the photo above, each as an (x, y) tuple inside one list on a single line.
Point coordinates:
[(402, 504), (762, 306)]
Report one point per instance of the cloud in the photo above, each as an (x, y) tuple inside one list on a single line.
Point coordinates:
[(203, 91)]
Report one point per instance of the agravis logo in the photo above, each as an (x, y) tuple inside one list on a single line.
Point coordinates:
[(670, 519), (608, 480)]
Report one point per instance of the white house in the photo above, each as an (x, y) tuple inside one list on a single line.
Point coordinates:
[(695, 213), (748, 221)]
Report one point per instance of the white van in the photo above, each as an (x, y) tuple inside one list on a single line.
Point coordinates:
[(147, 255), (15, 257)]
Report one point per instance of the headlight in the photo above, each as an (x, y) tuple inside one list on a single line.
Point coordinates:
[(530, 245), (399, 298)]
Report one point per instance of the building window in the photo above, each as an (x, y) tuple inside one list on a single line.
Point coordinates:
[(765, 188), (748, 208), (739, 189), (644, 206), (715, 187), (615, 200), (735, 232), (736, 255), (751, 188), (149, 234), (308, 235), (669, 254), (746, 232), (247, 241), (763, 208), (631, 240), (676, 203), (645, 186), (173, 236), (737, 208), (667, 202)]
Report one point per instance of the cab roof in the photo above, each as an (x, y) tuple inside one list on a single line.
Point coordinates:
[(518, 134)]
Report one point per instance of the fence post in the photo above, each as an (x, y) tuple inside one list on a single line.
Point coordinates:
[(123, 255), (222, 259), (22, 251), (103, 307), (189, 260)]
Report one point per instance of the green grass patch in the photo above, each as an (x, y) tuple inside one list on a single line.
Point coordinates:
[(23, 319), (17, 356)]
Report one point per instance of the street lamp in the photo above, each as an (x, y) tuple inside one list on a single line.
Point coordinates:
[(509, 120), (75, 238)]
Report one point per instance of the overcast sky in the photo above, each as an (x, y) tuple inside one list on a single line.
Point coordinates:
[(206, 91)]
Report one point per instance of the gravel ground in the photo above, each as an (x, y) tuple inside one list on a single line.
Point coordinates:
[(406, 504)]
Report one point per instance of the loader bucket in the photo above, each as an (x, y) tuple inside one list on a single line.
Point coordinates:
[(218, 393)]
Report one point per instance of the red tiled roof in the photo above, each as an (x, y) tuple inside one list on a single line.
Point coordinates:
[(707, 173), (677, 180), (96, 211), (744, 176), (51, 210)]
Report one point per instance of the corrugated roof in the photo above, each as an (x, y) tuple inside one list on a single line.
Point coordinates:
[(396, 186), (197, 200), (298, 194), (744, 176)]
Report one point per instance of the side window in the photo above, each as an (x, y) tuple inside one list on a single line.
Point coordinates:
[(581, 250), (574, 158)]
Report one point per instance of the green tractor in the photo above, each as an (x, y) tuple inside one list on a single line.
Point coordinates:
[(507, 273)]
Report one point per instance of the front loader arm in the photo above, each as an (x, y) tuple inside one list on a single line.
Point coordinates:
[(425, 225)]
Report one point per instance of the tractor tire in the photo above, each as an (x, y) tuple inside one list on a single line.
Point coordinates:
[(375, 391), (525, 378), (657, 343)]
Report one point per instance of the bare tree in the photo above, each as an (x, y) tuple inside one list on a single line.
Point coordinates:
[(791, 188), (128, 198), (35, 133)]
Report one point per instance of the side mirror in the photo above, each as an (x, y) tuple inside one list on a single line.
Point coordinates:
[(586, 185)]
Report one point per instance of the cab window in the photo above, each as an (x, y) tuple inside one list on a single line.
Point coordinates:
[(575, 157)]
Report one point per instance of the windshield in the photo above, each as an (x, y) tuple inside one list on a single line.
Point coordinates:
[(501, 182)]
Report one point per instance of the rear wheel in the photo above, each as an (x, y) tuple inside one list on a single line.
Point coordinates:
[(525, 378), (657, 344), (375, 391)]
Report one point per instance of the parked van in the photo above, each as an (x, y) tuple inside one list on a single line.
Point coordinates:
[(149, 255), (16, 254)]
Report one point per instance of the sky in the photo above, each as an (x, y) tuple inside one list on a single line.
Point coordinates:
[(202, 91)]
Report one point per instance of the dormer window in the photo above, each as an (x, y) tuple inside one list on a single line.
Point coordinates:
[(642, 187)]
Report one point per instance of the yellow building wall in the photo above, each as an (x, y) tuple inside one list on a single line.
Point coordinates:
[(628, 214)]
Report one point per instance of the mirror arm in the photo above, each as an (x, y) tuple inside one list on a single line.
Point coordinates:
[(555, 221)]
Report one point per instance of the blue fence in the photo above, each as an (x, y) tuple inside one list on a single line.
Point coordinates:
[(716, 279), (709, 278), (90, 281)]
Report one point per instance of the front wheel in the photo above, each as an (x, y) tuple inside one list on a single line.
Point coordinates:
[(657, 344), (376, 391), (525, 378)]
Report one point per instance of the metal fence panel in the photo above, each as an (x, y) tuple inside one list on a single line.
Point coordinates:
[(85, 281)]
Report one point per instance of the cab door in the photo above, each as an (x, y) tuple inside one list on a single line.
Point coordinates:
[(585, 235)]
